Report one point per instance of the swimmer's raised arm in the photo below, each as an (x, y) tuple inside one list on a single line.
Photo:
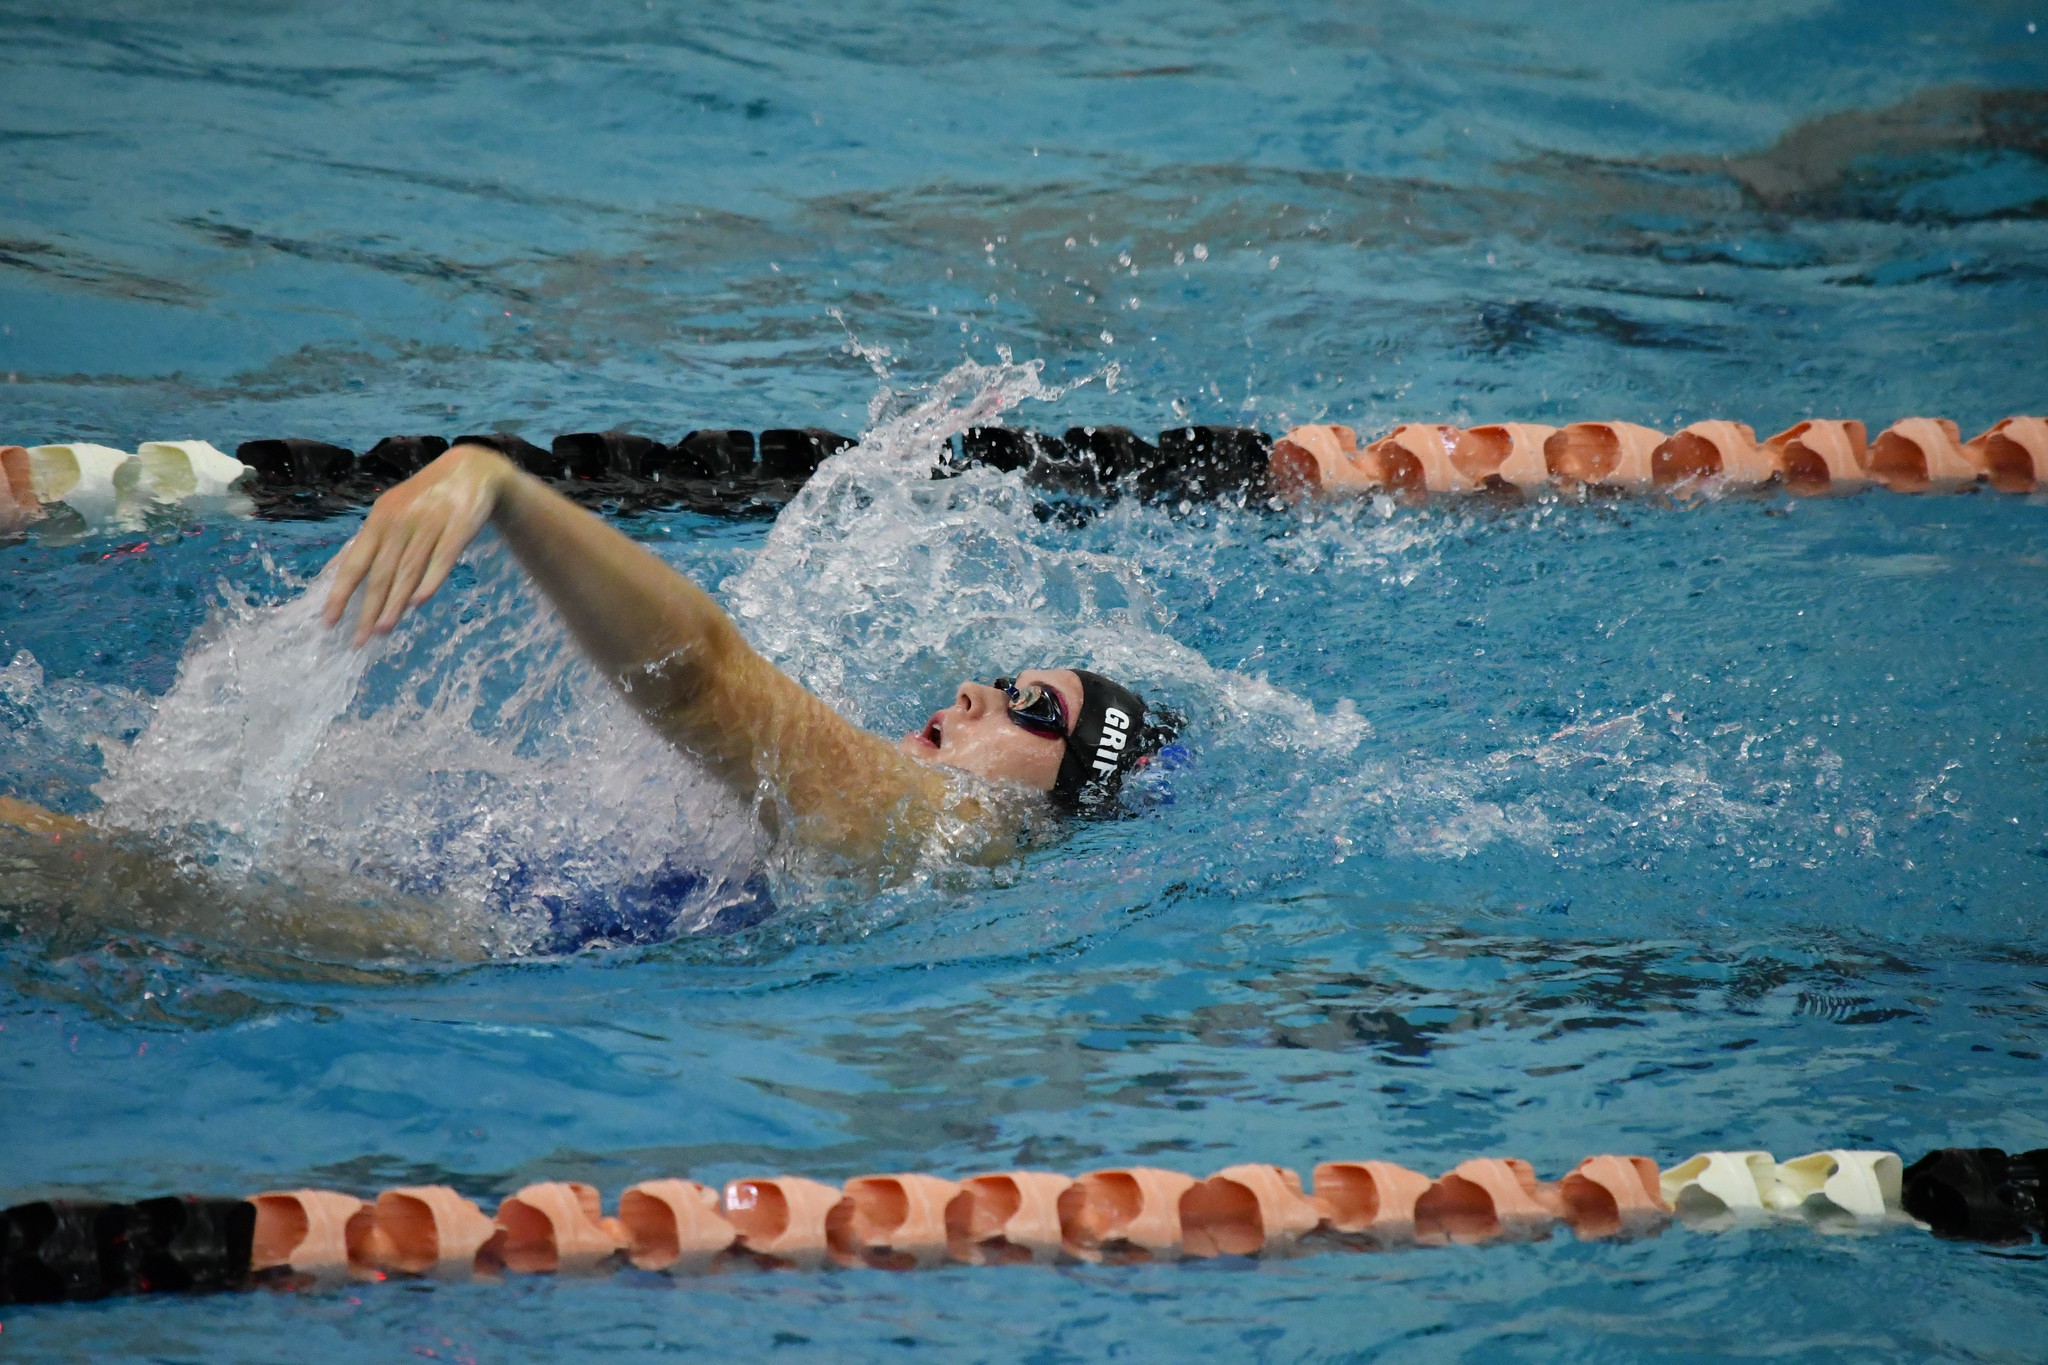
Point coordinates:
[(660, 638)]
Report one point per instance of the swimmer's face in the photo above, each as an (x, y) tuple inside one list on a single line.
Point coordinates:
[(976, 733)]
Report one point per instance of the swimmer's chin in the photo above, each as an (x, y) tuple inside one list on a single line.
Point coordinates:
[(962, 777), (916, 745), (979, 798)]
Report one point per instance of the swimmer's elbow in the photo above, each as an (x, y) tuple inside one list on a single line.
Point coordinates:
[(714, 698), (666, 687), (680, 675)]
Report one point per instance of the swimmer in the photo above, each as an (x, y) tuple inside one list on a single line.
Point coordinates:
[(1062, 739), (811, 774), (1051, 737)]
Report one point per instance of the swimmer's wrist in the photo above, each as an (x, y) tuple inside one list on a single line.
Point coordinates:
[(492, 468), (473, 452)]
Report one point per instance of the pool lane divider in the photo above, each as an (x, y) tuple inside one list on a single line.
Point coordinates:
[(55, 1250), (731, 472), (1814, 457)]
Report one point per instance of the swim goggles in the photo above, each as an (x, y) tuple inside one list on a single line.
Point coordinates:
[(1036, 708)]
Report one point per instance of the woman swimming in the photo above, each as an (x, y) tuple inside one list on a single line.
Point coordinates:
[(813, 778), (812, 775)]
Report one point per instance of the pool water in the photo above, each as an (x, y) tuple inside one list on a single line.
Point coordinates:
[(1538, 830)]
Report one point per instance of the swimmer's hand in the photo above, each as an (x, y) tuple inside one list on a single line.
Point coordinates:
[(414, 535)]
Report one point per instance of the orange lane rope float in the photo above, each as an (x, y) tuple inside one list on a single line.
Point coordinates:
[(1914, 455), (54, 1249)]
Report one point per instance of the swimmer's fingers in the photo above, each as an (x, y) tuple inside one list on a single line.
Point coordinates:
[(421, 551), (360, 555), (377, 588), (412, 567), (440, 564), (460, 513), (349, 567)]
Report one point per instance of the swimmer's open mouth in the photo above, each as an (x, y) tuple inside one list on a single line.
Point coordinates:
[(925, 742)]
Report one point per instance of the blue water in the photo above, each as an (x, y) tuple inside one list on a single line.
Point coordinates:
[(1528, 831)]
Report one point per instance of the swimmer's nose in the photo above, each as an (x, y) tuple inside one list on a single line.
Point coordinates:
[(978, 699)]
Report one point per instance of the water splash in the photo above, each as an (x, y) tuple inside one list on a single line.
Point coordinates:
[(470, 758), (879, 587), (52, 730), (257, 692)]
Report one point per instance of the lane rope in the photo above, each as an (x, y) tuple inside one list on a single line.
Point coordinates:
[(730, 472), (53, 1250)]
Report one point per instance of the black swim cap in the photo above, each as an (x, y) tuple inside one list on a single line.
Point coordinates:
[(1109, 740)]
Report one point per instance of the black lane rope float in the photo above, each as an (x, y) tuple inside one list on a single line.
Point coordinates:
[(70, 1250), (728, 472)]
